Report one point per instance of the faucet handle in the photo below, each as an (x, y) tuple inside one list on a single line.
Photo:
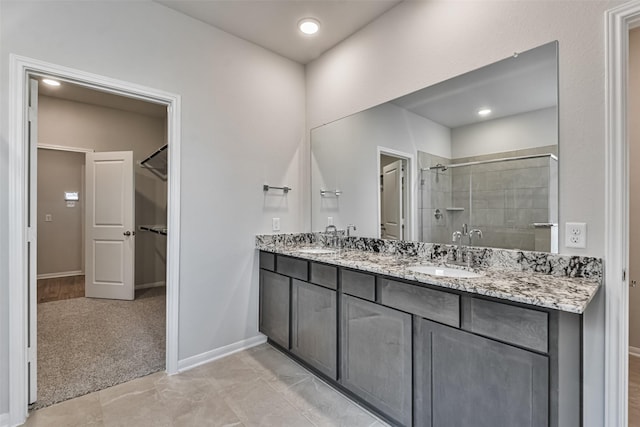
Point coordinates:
[(476, 231)]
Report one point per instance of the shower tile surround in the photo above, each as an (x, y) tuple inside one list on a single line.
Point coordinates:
[(502, 199), (561, 282)]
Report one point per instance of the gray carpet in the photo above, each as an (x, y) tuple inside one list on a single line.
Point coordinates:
[(86, 345)]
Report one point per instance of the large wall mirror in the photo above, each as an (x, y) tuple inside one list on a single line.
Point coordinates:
[(478, 151)]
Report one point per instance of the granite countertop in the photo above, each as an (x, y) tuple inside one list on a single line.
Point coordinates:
[(564, 293)]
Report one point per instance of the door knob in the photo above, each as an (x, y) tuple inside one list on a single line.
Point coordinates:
[(633, 283), (127, 233)]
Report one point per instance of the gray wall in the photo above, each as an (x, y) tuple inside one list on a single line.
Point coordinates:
[(242, 125), (74, 124), (536, 128), (344, 156), (410, 54), (60, 241)]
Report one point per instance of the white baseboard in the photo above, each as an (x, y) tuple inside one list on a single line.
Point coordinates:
[(150, 285), (210, 356), (634, 351), (4, 420), (61, 274)]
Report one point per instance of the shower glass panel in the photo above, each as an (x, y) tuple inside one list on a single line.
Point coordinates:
[(513, 201)]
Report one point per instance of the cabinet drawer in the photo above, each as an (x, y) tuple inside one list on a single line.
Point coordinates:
[(517, 325), (324, 275), (360, 285), (442, 307), (267, 261), (292, 267)]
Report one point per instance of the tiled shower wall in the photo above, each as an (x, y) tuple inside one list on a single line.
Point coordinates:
[(503, 199)]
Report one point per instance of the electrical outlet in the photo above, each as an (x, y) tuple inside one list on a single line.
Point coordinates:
[(575, 235), (329, 220), (275, 224), (48, 218)]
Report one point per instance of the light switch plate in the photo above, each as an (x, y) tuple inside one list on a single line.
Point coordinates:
[(575, 235), (275, 224), (48, 218)]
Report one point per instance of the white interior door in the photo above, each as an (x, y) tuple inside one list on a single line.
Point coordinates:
[(392, 201), (110, 233), (32, 251)]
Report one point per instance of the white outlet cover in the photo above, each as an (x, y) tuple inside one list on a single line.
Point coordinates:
[(575, 235), (275, 224), (329, 220)]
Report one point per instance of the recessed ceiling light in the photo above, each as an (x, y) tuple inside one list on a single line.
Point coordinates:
[(483, 112), (51, 82), (309, 26)]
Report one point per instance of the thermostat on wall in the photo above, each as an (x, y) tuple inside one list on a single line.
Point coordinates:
[(71, 195)]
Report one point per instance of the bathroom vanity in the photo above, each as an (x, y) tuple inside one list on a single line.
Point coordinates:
[(501, 349)]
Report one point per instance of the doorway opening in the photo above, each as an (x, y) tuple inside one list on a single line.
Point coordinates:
[(96, 204), (395, 194), (23, 350)]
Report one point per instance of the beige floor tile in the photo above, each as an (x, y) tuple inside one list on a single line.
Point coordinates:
[(257, 387), (226, 374), (81, 411), (325, 406), (276, 368), (192, 401), (258, 404)]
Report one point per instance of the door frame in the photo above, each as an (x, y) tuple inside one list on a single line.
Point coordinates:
[(618, 22), (20, 68), (411, 228)]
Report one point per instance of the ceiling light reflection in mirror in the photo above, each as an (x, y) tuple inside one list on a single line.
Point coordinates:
[(442, 124)]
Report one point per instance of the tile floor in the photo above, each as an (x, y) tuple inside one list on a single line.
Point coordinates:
[(255, 387)]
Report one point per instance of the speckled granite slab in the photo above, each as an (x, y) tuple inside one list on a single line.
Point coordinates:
[(566, 283)]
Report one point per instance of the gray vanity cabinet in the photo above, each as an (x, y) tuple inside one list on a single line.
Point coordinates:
[(462, 379), (375, 344), (314, 326), (274, 307)]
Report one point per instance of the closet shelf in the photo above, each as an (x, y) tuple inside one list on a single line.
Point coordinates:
[(157, 162), (158, 229)]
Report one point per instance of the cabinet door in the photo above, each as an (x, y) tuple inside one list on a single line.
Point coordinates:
[(376, 356), (314, 335), (274, 307), (466, 380)]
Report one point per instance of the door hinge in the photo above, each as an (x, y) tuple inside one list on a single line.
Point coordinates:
[(31, 354), (31, 234), (624, 274), (31, 114)]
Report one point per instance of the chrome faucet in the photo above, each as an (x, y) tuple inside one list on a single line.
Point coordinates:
[(457, 237), (462, 256), (350, 226), (334, 234)]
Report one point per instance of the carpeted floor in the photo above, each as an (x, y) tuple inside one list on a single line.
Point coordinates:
[(86, 345)]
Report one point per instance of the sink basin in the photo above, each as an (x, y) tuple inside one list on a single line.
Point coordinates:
[(444, 271), (317, 251)]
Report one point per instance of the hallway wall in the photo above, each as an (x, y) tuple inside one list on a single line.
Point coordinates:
[(74, 124), (242, 125)]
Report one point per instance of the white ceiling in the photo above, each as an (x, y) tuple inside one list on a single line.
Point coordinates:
[(512, 86), (272, 24)]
